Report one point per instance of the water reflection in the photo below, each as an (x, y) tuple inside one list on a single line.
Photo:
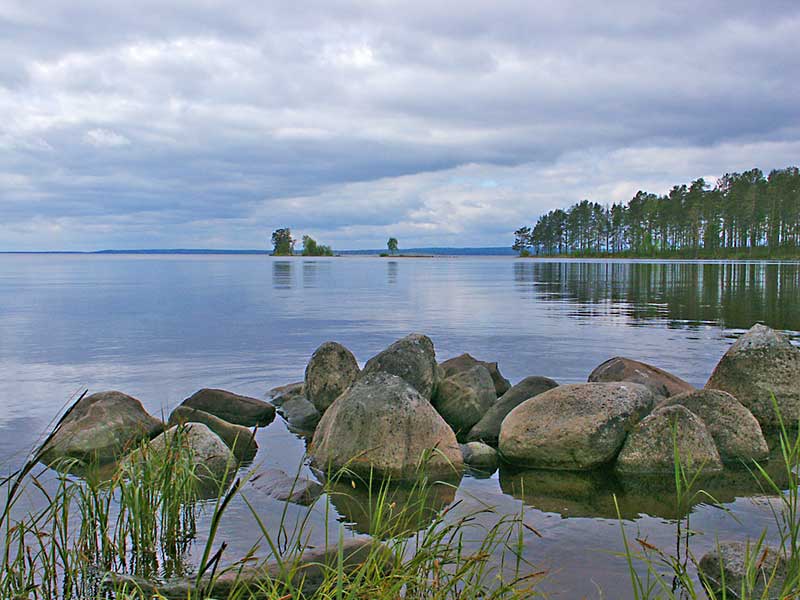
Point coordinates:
[(309, 274), (282, 274), (391, 272), (685, 294)]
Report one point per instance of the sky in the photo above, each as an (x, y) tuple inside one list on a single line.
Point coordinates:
[(198, 124)]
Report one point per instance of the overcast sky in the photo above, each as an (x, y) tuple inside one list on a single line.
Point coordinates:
[(207, 125)]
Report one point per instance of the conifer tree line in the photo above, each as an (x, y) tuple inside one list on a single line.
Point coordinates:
[(744, 214)]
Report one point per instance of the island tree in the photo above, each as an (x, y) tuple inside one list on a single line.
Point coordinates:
[(311, 248), (282, 242), (392, 245)]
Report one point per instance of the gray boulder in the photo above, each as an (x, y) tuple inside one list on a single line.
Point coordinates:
[(488, 428), (626, 369), (412, 358), (573, 427), (735, 430), (99, 429), (286, 488), (650, 448), (241, 410), (479, 456), (466, 361), (214, 461), (464, 397), (330, 372), (384, 425), (238, 438), (282, 393), (762, 363), (731, 561), (300, 414)]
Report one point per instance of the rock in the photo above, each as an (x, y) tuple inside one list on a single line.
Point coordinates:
[(309, 572), (238, 438), (625, 369), (650, 447), (761, 363), (331, 370), (99, 429), (300, 414), (384, 424), (240, 410), (479, 456), (213, 459), (488, 428), (282, 393), (464, 397), (412, 358), (735, 430), (286, 488), (573, 427), (465, 362), (733, 560)]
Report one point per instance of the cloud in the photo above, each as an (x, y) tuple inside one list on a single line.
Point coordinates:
[(209, 125)]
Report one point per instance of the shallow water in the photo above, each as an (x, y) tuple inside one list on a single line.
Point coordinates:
[(160, 327)]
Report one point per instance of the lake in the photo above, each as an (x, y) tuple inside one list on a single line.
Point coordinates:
[(159, 327)]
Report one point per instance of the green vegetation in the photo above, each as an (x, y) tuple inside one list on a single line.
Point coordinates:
[(311, 248), (392, 246), (282, 242), (743, 215)]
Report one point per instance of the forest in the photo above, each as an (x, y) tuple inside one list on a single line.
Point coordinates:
[(742, 215)]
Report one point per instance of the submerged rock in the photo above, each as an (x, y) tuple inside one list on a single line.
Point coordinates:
[(411, 358), (309, 572), (478, 455), (761, 364), (488, 428), (650, 448), (464, 397), (287, 488), (238, 438), (331, 370), (282, 393), (732, 561), (240, 410), (574, 427), (735, 430), (382, 424), (99, 429), (626, 369), (465, 361), (300, 414)]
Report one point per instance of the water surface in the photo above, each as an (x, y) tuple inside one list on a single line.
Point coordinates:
[(161, 327)]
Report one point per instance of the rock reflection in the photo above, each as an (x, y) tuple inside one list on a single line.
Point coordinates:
[(282, 275), (591, 494), (390, 510), (734, 294)]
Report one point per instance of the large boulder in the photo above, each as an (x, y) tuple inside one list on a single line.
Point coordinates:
[(650, 448), (282, 393), (384, 425), (488, 428), (760, 570), (573, 427), (300, 414), (464, 397), (759, 365), (99, 429), (214, 462), (466, 361), (626, 369), (241, 410), (330, 372), (735, 430), (287, 488), (479, 456), (412, 358), (238, 438)]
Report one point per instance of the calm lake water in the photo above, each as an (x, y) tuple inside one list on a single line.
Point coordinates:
[(161, 327)]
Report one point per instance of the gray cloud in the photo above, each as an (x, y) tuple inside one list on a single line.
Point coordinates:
[(205, 125)]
